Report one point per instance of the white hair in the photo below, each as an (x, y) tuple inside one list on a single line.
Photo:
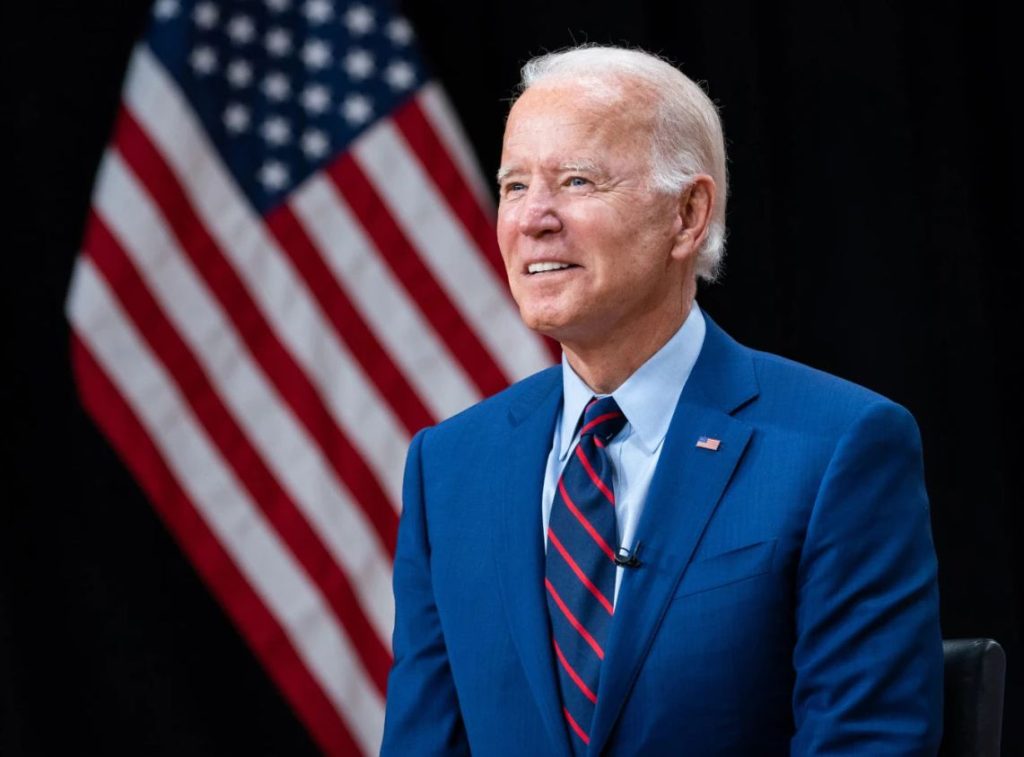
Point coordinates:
[(687, 137)]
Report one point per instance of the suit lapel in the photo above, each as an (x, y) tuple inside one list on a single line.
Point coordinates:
[(687, 485), (519, 548)]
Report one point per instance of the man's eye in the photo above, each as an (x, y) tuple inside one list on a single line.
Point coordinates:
[(514, 186), (577, 181)]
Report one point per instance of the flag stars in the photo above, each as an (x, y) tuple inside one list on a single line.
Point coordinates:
[(316, 54), (399, 75), (317, 11), (239, 73), (315, 98), (276, 131), (399, 31), (278, 6), (236, 118), (273, 175), (165, 9), (358, 64), (314, 144), (242, 30), (278, 42), (205, 15), (356, 109), (359, 19), (276, 86), (203, 60)]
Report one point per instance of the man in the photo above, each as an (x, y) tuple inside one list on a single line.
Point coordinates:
[(670, 544)]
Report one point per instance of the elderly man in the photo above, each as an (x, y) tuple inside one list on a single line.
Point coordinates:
[(670, 543)]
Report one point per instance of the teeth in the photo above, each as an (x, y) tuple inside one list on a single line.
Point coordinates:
[(541, 267)]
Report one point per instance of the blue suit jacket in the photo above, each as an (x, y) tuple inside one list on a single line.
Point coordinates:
[(787, 599)]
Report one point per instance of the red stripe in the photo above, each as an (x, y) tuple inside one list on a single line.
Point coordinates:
[(437, 163), (572, 620), (433, 155), (599, 419), (575, 726), (579, 572), (574, 675), (348, 323), (400, 254), (277, 363), (598, 539), (257, 624), (230, 439), (593, 476)]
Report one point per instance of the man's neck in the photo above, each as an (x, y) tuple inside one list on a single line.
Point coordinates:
[(605, 367)]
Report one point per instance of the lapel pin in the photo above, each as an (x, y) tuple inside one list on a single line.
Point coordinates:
[(707, 443)]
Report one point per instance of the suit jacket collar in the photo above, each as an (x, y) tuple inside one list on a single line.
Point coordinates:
[(685, 490)]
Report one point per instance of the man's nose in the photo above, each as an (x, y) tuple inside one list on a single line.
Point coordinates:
[(538, 214)]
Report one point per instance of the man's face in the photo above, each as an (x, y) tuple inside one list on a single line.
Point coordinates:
[(587, 245)]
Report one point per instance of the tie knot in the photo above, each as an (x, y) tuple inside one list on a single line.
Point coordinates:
[(602, 418)]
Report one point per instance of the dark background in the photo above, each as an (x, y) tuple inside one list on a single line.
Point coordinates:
[(875, 164)]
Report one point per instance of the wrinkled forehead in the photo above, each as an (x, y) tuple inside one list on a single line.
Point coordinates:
[(578, 120)]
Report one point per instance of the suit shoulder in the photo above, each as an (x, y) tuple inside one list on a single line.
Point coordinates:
[(481, 417), (834, 402)]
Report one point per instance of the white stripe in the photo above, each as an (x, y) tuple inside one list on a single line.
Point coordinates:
[(440, 114), (439, 380), (223, 504), (282, 442), (278, 290), (449, 253)]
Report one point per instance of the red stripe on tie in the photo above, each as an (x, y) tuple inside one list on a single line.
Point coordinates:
[(598, 539), (572, 620), (597, 420), (576, 726), (574, 675), (593, 475), (579, 572)]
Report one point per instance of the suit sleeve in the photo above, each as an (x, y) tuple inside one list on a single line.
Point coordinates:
[(868, 654), (423, 716)]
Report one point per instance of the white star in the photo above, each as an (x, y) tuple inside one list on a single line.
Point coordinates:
[(241, 29), (239, 73), (273, 175), (356, 109), (165, 9), (278, 41), (278, 5), (314, 144), (359, 19), (236, 118), (399, 75), (358, 63), (205, 15), (316, 54), (315, 98), (203, 60), (276, 131), (399, 31), (317, 11), (276, 86)]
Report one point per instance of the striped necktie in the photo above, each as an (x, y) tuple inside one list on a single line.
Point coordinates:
[(580, 566)]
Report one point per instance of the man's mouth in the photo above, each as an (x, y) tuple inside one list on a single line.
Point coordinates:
[(548, 266)]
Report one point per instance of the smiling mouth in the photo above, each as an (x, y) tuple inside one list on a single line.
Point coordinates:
[(534, 268)]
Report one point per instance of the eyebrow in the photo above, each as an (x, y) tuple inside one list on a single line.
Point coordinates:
[(581, 166)]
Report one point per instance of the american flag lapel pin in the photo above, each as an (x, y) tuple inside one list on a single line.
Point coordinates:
[(706, 442)]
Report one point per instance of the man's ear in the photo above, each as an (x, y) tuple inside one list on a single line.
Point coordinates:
[(696, 205)]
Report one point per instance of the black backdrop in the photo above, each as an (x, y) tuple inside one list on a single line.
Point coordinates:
[(875, 167)]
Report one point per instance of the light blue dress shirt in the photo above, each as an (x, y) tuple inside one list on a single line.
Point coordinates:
[(648, 399)]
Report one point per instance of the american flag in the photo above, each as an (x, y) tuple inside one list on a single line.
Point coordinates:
[(289, 268)]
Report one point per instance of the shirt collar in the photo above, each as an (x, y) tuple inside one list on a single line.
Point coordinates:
[(648, 397)]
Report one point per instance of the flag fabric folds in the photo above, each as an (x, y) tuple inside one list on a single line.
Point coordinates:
[(288, 269)]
